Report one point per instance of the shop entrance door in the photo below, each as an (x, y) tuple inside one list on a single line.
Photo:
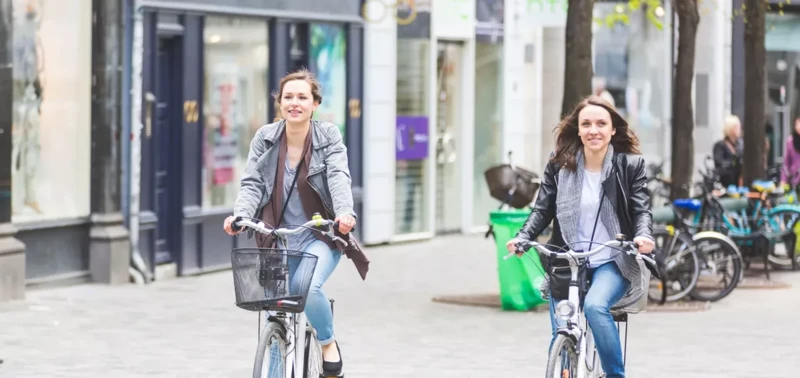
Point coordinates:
[(166, 123), (449, 69)]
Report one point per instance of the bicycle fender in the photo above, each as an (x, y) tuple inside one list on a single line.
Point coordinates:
[(785, 207), (572, 333), (721, 237)]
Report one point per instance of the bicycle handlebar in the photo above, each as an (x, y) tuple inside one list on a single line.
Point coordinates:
[(631, 246), (317, 222)]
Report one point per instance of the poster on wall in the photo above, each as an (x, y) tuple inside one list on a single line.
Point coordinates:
[(328, 60), (412, 138), (222, 132)]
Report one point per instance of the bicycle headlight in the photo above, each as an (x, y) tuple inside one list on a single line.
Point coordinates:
[(565, 310)]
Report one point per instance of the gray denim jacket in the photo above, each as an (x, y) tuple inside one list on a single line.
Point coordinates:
[(328, 171)]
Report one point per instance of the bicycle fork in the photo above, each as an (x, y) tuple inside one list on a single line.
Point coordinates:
[(296, 366)]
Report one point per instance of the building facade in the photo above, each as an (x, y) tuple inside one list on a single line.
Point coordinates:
[(782, 101), (448, 74), (208, 75), (59, 136)]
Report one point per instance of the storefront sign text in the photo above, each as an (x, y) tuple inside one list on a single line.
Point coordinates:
[(404, 12)]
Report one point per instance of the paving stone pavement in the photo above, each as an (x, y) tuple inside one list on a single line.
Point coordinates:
[(388, 326)]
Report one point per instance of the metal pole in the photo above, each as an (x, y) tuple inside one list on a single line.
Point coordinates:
[(137, 54), (127, 49)]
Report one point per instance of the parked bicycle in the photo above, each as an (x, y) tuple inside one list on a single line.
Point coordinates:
[(276, 281), (573, 353)]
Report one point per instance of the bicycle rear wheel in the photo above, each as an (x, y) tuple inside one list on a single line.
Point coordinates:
[(313, 356), (720, 269), (271, 353), (563, 359)]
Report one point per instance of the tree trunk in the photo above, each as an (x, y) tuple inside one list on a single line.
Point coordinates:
[(754, 76), (578, 61), (682, 111)]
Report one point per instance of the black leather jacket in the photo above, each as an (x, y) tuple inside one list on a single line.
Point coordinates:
[(627, 183)]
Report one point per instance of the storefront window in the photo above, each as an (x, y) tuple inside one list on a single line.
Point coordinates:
[(51, 131), (412, 125), (783, 78), (235, 102), (630, 63), (488, 124), (328, 63)]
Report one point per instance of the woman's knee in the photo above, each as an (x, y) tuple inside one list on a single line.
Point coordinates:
[(594, 308)]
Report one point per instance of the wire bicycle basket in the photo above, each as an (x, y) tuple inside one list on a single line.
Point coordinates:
[(272, 279)]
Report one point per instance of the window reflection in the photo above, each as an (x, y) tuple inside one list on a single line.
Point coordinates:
[(488, 123), (235, 102), (630, 61), (411, 178)]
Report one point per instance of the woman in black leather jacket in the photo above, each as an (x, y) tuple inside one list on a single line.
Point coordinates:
[(594, 187)]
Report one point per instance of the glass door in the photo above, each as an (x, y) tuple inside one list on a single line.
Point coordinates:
[(449, 69)]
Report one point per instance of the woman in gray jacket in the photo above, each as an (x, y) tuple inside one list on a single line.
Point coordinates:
[(313, 152)]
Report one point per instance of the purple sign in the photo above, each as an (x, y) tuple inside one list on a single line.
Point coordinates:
[(412, 138)]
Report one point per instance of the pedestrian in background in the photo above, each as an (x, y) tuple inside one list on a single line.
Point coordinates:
[(728, 153), (790, 172)]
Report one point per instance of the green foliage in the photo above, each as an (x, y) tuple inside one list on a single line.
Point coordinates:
[(621, 15), (768, 7)]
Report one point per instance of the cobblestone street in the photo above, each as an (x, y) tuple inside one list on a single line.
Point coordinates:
[(388, 326)]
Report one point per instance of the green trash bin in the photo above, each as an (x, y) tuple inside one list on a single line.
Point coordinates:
[(520, 278)]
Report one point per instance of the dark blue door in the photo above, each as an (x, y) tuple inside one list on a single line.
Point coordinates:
[(166, 121)]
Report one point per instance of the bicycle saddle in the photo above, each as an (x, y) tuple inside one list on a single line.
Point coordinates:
[(688, 204)]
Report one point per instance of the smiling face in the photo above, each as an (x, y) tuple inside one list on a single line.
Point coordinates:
[(595, 128), (297, 102)]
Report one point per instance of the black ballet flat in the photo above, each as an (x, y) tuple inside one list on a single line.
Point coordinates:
[(333, 368)]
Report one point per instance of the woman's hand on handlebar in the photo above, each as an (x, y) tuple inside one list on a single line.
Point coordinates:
[(228, 226), (646, 245), (512, 246), (346, 223)]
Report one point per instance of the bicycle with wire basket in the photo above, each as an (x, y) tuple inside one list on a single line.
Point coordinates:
[(276, 282), (573, 353)]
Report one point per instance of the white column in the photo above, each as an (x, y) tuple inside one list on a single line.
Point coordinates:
[(517, 125), (710, 62), (380, 81), (545, 21)]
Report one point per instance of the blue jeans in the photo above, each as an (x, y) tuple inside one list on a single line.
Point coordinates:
[(607, 288), (318, 308)]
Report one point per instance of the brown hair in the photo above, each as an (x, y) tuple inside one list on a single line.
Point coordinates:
[(568, 142), (301, 74)]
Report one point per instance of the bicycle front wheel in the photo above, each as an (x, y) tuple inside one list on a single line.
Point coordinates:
[(313, 356), (271, 353), (681, 268), (563, 360), (781, 221)]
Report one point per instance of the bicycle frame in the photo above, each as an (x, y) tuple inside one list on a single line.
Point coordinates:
[(296, 323), (293, 322), (576, 324)]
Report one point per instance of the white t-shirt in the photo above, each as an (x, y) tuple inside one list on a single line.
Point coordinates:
[(590, 200)]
